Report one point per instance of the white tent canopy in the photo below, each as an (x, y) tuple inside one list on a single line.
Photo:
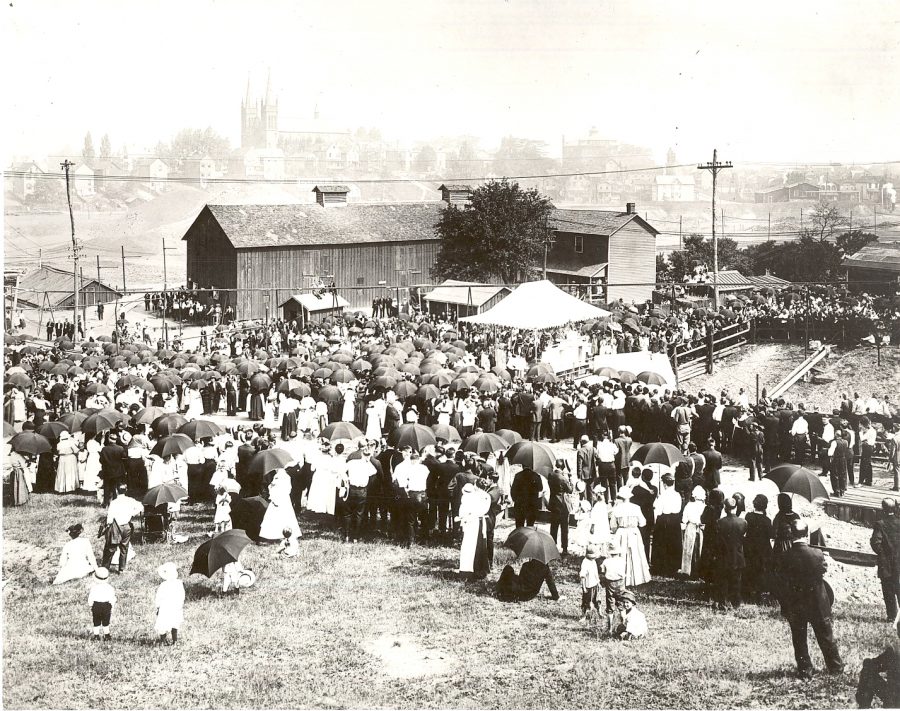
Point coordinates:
[(536, 305)]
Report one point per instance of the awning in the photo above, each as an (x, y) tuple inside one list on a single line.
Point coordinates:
[(313, 303)]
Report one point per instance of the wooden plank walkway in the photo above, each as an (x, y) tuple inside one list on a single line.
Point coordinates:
[(860, 505)]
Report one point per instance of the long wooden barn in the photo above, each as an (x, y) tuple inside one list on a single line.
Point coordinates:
[(258, 256), (50, 287)]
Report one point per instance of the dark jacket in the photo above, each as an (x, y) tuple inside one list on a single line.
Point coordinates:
[(526, 489), (586, 462), (885, 542), (112, 462), (804, 593), (731, 531), (559, 487)]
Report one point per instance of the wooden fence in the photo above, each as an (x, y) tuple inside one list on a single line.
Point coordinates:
[(690, 361)]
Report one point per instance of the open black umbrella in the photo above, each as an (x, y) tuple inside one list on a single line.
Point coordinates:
[(102, 421), (484, 442), (200, 429), (29, 443), (168, 424), (341, 430), (73, 420), (52, 430), (658, 453), (794, 479), (510, 436), (412, 435), (268, 460), (172, 444), (164, 494), (219, 551), (532, 455), (530, 543)]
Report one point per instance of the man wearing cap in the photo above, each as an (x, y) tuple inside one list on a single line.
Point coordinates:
[(560, 486), (806, 600), (885, 542), (526, 495), (586, 464), (730, 532)]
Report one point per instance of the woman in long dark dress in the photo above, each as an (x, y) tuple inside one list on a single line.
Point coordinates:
[(758, 549), (710, 517), (243, 392), (230, 397)]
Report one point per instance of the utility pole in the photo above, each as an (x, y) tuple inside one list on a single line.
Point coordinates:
[(165, 293), (97, 290), (769, 230), (548, 240), (680, 233), (65, 165), (875, 224), (714, 168), (123, 269), (801, 220)]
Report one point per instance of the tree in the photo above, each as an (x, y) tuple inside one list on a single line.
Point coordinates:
[(522, 156), (105, 147), (854, 240), (825, 220), (498, 234), (87, 152), (699, 251), (194, 143)]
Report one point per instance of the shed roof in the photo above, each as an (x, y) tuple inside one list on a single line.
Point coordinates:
[(589, 270), (453, 187), (768, 280), (258, 226), (878, 255), (775, 188), (330, 189), (451, 291), (595, 222), (732, 279), (56, 281), (313, 303)]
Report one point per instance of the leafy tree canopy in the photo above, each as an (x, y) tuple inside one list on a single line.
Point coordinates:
[(87, 151), (498, 235)]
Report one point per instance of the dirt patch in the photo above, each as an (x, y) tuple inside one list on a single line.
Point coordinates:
[(401, 657)]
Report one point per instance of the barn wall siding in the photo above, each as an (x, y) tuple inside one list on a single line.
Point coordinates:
[(632, 259), (211, 260), (288, 270)]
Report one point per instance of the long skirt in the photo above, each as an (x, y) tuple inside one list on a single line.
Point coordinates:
[(66, 474), (666, 553), (630, 542), (473, 557), (257, 406), (19, 490), (288, 425), (691, 546)]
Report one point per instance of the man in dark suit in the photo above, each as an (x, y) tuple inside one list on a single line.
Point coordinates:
[(711, 477), (526, 495), (806, 600), (112, 466), (537, 418), (586, 464), (885, 542), (559, 512), (730, 532)]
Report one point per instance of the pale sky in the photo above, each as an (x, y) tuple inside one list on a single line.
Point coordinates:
[(807, 80)]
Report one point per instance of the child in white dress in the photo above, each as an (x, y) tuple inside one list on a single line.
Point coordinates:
[(222, 517)]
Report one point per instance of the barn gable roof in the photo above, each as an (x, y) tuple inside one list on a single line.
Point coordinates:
[(255, 226), (58, 282), (877, 255), (596, 222)]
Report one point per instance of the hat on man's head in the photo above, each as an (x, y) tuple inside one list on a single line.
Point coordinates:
[(167, 571), (598, 488), (629, 596), (101, 573), (580, 486)]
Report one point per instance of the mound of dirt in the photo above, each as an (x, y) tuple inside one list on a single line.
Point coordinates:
[(24, 563)]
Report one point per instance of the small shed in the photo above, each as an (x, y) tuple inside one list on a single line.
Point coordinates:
[(463, 298), (313, 307), (875, 268), (58, 286)]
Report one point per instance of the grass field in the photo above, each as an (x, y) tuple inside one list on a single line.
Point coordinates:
[(376, 625)]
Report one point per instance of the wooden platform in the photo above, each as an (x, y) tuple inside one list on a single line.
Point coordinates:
[(861, 505)]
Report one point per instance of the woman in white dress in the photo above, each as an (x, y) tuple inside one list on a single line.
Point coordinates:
[(194, 404), (348, 412), (77, 559), (600, 535), (90, 481), (473, 508), (67, 464), (324, 482), (279, 515), (692, 532), (375, 412), (625, 521)]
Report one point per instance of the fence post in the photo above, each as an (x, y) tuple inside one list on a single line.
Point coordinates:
[(711, 351), (675, 363)]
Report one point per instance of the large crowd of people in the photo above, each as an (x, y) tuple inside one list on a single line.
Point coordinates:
[(339, 399)]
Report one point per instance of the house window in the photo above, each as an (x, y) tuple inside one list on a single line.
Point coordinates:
[(579, 244), (360, 280)]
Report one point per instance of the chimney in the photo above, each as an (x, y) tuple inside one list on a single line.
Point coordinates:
[(629, 208), (455, 194), (331, 195)]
